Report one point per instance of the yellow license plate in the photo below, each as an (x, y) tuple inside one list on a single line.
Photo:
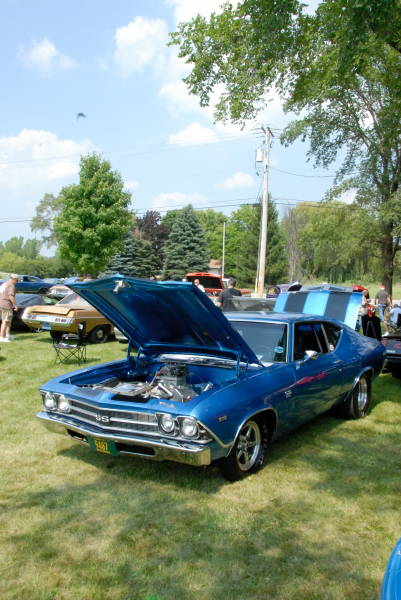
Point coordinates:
[(101, 445)]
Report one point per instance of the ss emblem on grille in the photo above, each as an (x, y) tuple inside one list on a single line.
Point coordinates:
[(103, 418)]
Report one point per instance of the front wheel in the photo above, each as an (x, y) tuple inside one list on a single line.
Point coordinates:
[(249, 451), (99, 334), (42, 291)]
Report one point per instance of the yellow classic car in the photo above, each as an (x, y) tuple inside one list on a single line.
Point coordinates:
[(64, 317)]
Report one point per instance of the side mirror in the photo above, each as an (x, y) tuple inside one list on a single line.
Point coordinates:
[(309, 354)]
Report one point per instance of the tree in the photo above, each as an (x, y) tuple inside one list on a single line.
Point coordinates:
[(145, 261), (169, 218), (95, 216), (244, 235), (291, 227), (31, 248), (152, 229), (211, 222), (261, 44), (123, 260), (340, 67), (185, 249), (15, 245), (46, 211)]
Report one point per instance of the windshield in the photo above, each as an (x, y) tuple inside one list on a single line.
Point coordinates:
[(74, 299), (268, 340)]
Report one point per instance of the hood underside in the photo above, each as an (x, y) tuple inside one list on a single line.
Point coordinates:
[(164, 317)]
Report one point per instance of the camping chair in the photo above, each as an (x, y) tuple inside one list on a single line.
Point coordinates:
[(77, 347)]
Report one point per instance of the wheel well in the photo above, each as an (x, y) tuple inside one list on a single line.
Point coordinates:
[(270, 418)]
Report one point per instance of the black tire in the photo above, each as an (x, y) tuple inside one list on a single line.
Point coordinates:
[(42, 291), (396, 373), (356, 406), (56, 335), (99, 334), (249, 451)]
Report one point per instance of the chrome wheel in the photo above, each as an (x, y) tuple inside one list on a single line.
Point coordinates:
[(362, 393), (248, 445)]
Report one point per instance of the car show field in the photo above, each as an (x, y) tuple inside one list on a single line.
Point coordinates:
[(324, 508)]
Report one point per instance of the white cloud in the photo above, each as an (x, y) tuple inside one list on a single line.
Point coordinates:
[(131, 185), (45, 57), (34, 158), (194, 134), (184, 10), (164, 202), (141, 43), (237, 180)]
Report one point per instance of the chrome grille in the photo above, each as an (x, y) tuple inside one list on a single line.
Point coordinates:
[(114, 420)]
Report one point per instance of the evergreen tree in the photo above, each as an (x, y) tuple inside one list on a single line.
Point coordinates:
[(145, 260), (186, 248), (123, 262)]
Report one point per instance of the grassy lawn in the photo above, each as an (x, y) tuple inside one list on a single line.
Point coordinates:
[(318, 522)]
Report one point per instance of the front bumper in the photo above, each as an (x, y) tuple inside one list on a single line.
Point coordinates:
[(164, 449)]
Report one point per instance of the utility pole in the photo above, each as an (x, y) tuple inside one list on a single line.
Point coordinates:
[(224, 248), (265, 212)]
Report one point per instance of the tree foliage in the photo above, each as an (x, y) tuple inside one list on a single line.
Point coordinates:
[(152, 229), (261, 44), (94, 217), (243, 233), (46, 211), (340, 67), (211, 222), (122, 261), (185, 249), (146, 261)]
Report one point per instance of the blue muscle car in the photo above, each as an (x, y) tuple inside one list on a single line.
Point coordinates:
[(199, 387), (30, 284), (391, 586)]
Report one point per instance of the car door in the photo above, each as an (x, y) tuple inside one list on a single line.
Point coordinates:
[(318, 380)]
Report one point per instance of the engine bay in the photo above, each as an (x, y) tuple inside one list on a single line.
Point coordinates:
[(170, 382)]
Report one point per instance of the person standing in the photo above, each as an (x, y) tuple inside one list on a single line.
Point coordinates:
[(7, 302), (227, 294), (382, 300)]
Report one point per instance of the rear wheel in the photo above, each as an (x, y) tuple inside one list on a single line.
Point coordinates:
[(356, 406), (99, 334), (56, 335), (249, 451)]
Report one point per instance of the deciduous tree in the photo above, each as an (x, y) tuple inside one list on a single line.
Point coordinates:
[(95, 216), (46, 211)]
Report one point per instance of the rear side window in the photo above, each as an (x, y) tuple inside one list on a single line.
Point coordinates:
[(333, 335)]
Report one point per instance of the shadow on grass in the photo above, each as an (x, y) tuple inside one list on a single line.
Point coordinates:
[(133, 538), (298, 530)]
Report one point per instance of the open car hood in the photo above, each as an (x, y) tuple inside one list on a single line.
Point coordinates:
[(341, 304), (165, 316)]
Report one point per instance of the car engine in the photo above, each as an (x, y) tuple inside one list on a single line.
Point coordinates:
[(168, 383)]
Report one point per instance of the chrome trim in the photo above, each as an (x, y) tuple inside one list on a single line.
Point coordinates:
[(113, 409), (192, 454)]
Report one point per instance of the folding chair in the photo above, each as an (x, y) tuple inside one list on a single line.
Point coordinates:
[(65, 350)]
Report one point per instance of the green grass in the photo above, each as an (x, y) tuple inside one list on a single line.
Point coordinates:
[(317, 522)]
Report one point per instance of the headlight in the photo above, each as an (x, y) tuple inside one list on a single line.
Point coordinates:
[(49, 401), (64, 403), (167, 423), (189, 427)]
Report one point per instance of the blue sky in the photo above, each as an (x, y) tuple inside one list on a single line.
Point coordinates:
[(110, 61)]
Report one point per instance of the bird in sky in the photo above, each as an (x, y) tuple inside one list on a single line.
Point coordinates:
[(80, 115)]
